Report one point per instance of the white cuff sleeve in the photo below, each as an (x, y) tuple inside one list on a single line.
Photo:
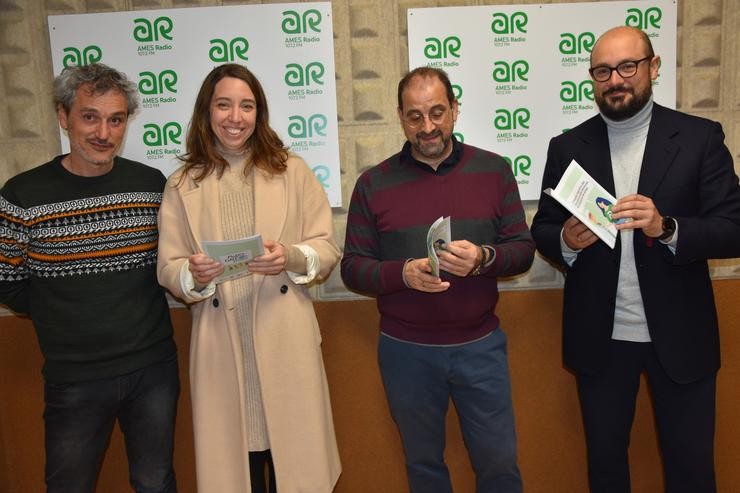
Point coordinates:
[(673, 240), (187, 284), (569, 255), (313, 265)]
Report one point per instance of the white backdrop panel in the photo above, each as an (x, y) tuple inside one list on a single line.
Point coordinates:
[(168, 53), (521, 71)]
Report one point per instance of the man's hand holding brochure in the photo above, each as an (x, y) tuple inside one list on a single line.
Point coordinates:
[(588, 201), (437, 237)]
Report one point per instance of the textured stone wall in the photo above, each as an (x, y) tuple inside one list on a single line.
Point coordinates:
[(371, 56)]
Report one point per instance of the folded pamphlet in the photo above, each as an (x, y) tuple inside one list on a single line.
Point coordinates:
[(578, 192), (437, 237), (235, 255)]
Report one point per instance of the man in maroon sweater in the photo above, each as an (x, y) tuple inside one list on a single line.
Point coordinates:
[(440, 336)]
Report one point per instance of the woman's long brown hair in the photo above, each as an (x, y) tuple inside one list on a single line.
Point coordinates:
[(267, 150)]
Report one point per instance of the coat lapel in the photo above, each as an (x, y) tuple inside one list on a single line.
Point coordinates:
[(202, 209), (594, 156), (270, 204), (270, 209), (660, 151)]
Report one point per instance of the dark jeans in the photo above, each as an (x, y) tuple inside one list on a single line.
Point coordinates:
[(419, 381), (79, 418), (684, 415)]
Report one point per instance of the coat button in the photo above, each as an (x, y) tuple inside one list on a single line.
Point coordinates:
[(283, 289), (215, 302)]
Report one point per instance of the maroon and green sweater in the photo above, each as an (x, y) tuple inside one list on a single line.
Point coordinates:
[(392, 207)]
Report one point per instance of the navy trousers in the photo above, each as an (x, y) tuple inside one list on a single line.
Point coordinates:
[(684, 415), (419, 381)]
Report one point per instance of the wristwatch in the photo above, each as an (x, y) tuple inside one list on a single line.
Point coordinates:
[(669, 227), (483, 259)]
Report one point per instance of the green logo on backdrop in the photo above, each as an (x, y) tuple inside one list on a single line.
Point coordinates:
[(152, 83), (152, 86), (505, 24), (510, 72), (457, 91), (74, 57), (295, 23), (322, 173), (146, 31), (167, 134), (221, 51), (572, 92), (570, 44), (510, 77), (640, 19), (459, 136), (521, 166), (436, 49), (511, 120), (297, 75), (300, 128)]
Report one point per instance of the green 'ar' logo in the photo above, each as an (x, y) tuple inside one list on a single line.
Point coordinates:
[(74, 57), (505, 72), (570, 44), (504, 24), (146, 31), (294, 23), (151, 83), (510, 120), (435, 48), (296, 75), (300, 128), (221, 51), (520, 165), (572, 92), (644, 19), (168, 133)]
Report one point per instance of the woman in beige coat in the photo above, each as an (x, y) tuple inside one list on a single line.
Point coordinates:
[(259, 392)]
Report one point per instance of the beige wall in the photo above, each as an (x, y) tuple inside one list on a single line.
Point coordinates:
[(550, 434), (371, 56)]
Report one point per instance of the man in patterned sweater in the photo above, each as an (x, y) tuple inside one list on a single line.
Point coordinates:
[(440, 337), (78, 248)]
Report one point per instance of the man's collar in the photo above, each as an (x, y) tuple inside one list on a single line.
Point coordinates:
[(444, 167)]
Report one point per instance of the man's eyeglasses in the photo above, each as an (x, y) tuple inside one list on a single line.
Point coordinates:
[(415, 119), (627, 69)]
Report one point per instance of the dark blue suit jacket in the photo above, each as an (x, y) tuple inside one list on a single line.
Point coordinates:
[(688, 172)]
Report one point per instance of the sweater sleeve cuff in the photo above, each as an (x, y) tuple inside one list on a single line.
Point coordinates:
[(491, 254)]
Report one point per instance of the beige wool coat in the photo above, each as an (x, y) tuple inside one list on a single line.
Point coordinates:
[(290, 208)]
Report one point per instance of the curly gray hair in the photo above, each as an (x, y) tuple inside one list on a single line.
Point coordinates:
[(100, 78)]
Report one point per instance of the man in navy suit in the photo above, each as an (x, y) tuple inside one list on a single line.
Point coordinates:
[(646, 305)]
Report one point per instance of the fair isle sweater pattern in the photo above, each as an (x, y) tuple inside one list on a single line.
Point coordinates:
[(78, 255), (86, 236)]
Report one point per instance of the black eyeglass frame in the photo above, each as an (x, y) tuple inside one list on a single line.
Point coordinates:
[(617, 68)]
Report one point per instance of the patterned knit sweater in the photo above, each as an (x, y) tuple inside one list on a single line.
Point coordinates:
[(78, 254), (392, 207)]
